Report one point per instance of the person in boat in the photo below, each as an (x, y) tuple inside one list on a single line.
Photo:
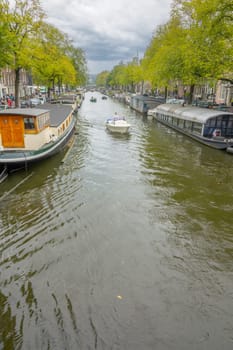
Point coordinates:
[(216, 132), (117, 117)]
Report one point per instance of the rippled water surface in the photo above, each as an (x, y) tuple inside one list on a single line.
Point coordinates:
[(122, 243)]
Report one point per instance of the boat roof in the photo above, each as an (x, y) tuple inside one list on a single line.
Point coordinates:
[(58, 112), (29, 112), (195, 114), (148, 98)]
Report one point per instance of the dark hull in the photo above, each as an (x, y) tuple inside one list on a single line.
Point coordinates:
[(214, 143)]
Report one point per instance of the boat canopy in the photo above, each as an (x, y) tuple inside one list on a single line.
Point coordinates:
[(193, 114)]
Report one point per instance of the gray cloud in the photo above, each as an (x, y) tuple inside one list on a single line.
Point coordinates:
[(108, 32)]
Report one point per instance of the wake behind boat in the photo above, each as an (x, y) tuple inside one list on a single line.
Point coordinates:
[(117, 124), (33, 134)]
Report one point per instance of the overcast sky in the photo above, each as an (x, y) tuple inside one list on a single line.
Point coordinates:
[(108, 31)]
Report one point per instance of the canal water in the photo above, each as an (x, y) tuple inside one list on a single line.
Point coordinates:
[(121, 243)]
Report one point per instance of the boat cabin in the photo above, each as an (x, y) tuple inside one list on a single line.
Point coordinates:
[(209, 126), (19, 127), (31, 128), (205, 122)]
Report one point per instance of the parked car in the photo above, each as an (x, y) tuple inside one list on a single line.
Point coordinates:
[(42, 99), (35, 102), (25, 104)]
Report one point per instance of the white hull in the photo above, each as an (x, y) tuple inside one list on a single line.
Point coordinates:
[(119, 129), (119, 126)]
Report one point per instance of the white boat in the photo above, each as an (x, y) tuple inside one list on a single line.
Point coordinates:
[(117, 124), (30, 135)]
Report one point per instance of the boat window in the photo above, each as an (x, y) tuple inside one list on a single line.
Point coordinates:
[(29, 123), (43, 121), (211, 122), (219, 122), (175, 121), (181, 124), (197, 128), (188, 125)]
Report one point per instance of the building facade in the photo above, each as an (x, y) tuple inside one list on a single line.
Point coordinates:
[(7, 82)]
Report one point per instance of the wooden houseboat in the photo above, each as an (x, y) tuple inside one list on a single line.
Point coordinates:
[(32, 134), (211, 127)]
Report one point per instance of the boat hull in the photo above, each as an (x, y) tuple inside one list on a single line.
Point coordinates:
[(17, 159), (117, 125), (118, 129), (216, 143)]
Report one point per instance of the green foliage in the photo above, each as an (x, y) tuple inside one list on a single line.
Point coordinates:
[(5, 42), (26, 41), (78, 60), (102, 78), (196, 44), (23, 19)]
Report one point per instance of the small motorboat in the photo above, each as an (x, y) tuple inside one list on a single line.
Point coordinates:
[(93, 99), (117, 124)]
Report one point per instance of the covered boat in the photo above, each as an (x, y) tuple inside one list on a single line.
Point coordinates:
[(211, 127), (32, 134)]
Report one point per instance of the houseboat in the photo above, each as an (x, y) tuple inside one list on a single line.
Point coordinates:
[(211, 127), (30, 135), (142, 103)]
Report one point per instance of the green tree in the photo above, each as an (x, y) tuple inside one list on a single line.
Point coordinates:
[(208, 46), (23, 20), (163, 62), (64, 63), (102, 78), (5, 42), (116, 78), (78, 59), (49, 47), (195, 44)]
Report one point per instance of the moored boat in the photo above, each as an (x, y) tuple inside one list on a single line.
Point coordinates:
[(142, 103), (211, 127), (117, 124), (32, 134), (93, 99)]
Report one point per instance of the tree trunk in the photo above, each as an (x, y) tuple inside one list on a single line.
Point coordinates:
[(142, 86), (190, 98), (165, 92), (17, 81)]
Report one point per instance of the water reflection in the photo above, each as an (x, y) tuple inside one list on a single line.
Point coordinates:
[(196, 192), (8, 336)]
